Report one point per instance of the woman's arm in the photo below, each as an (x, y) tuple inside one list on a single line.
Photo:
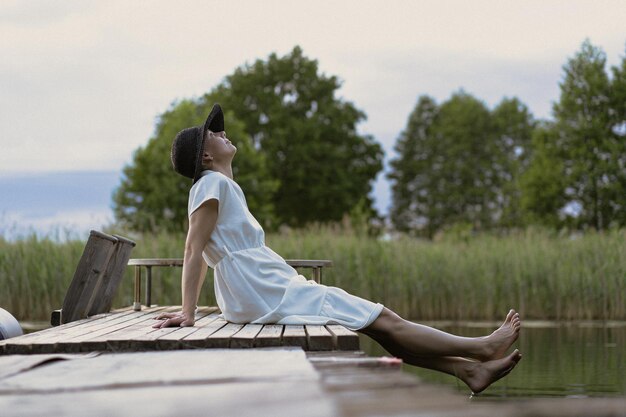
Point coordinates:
[(201, 225)]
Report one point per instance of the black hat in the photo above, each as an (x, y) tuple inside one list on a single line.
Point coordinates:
[(188, 144)]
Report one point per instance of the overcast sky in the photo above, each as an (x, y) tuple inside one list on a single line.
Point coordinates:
[(82, 81)]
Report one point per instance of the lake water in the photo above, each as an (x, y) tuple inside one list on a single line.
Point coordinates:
[(559, 360)]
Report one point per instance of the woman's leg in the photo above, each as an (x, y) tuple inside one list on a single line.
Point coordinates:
[(393, 332), (476, 375)]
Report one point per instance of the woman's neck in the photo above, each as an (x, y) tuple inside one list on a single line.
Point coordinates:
[(224, 169)]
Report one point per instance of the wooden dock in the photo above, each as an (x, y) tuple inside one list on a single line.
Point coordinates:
[(128, 330), (229, 369), (271, 381)]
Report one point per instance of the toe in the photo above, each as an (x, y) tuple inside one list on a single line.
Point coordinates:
[(509, 316)]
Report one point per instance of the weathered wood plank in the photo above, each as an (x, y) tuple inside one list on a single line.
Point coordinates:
[(296, 263), (174, 340), (102, 300), (146, 337), (130, 330), (294, 335), (14, 364), (71, 341), (318, 338), (309, 263), (217, 382), (117, 339), (343, 339), (22, 344), (198, 338), (88, 330), (136, 368), (130, 337), (245, 337), (221, 338), (270, 335), (88, 276), (233, 399), (33, 337)]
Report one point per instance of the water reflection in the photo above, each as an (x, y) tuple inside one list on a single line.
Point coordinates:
[(559, 360)]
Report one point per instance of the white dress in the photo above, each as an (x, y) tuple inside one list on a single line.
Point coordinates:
[(253, 284)]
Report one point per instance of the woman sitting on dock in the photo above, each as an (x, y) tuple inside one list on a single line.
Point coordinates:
[(253, 284)]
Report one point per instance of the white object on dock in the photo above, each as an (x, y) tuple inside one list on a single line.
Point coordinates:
[(9, 327)]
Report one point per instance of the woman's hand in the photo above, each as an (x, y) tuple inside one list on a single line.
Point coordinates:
[(173, 320)]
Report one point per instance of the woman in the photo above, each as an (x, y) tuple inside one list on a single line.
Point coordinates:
[(255, 285)]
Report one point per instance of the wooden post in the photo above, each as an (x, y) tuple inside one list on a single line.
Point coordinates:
[(149, 286), (316, 274), (137, 303)]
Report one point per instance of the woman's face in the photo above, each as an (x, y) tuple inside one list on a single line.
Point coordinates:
[(218, 147)]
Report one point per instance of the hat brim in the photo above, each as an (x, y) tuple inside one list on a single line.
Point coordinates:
[(215, 123)]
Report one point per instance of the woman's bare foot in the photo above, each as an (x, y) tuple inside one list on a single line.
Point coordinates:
[(498, 342), (479, 375)]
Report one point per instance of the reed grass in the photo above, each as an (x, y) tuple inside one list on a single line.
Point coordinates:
[(541, 273)]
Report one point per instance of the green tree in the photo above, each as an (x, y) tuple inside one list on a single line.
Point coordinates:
[(513, 128), (309, 137), (588, 115), (459, 165), (543, 184), (446, 170), (618, 142), (413, 206), (153, 197)]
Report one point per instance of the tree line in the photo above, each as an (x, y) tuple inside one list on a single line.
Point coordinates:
[(458, 163)]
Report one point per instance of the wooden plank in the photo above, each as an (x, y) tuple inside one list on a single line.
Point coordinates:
[(87, 278), (198, 338), (294, 335), (116, 337), (121, 341), (90, 328), (221, 338), (14, 364), (23, 344), (71, 341), (296, 263), (318, 338), (113, 275), (155, 262), (309, 263), (343, 339), (174, 340), (122, 370), (233, 399), (130, 336), (270, 335), (30, 337), (202, 382), (337, 362), (245, 337), (146, 338)]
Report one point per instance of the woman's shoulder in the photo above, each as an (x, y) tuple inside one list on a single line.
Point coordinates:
[(208, 178), (214, 182)]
